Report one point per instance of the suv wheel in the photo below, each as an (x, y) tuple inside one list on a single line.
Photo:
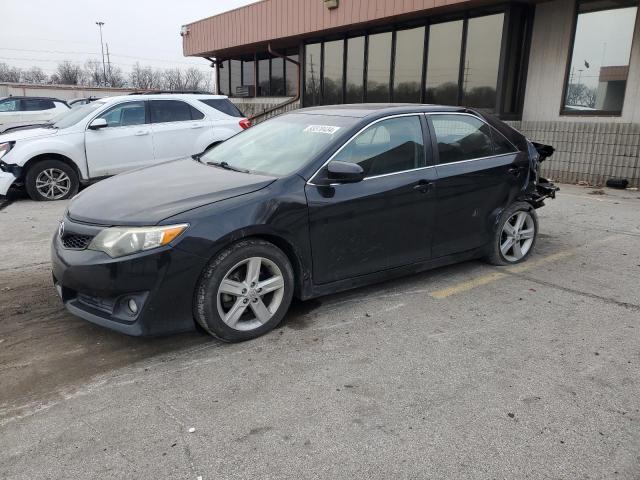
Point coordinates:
[(245, 291), (51, 180), (515, 236)]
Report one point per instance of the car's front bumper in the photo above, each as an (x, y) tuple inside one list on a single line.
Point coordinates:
[(6, 180), (98, 288)]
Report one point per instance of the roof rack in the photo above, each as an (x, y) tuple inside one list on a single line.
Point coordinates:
[(154, 92)]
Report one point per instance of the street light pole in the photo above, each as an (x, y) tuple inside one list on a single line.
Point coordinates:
[(104, 68)]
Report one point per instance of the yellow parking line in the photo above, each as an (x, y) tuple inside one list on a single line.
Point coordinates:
[(522, 267)]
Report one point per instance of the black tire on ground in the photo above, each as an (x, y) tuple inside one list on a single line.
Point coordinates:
[(56, 165), (206, 294), (495, 256), (620, 183)]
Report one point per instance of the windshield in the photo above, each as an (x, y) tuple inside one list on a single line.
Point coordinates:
[(74, 115), (281, 145)]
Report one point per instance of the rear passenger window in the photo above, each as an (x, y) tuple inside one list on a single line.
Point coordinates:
[(501, 144), (163, 111), (196, 114), (223, 105), (389, 146), (461, 137), (35, 104)]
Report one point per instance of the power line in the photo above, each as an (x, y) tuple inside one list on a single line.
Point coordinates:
[(46, 60)]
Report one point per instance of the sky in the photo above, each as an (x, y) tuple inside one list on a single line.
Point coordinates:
[(44, 32)]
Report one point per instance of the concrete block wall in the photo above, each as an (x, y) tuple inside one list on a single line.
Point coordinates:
[(588, 152)]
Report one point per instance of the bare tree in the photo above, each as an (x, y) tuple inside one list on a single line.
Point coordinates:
[(194, 79), (68, 73), (115, 77), (9, 74), (34, 75), (93, 72), (145, 78), (173, 79)]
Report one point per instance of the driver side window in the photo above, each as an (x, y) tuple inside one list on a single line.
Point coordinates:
[(125, 114), (389, 146)]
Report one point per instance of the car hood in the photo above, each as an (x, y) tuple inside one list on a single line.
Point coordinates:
[(27, 134), (149, 195)]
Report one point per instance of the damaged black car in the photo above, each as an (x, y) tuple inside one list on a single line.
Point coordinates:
[(306, 204)]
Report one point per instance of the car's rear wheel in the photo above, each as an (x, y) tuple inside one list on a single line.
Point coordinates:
[(245, 291), (51, 180), (515, 236)]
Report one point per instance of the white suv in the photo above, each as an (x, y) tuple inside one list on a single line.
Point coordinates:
[(110, 136), (19, 111)]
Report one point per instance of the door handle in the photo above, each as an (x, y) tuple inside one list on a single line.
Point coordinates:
[(515, 170), (141, 132), (423, 186), (196, 126)]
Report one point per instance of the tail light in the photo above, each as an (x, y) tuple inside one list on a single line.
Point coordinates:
[(245, 123)]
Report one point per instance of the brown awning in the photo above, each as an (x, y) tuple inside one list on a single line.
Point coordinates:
[(284, 22)]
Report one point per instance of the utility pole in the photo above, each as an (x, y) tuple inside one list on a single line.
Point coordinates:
[(104, 68), (109, 65)]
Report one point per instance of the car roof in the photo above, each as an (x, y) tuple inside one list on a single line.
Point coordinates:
[(362, 110), (23, 97), (163, 96)]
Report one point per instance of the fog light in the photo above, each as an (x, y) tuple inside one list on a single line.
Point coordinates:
[(133, 306)]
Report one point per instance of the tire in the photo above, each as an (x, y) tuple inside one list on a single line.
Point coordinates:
[(63, 180), (504, 252), (619, 183), (230, 312)]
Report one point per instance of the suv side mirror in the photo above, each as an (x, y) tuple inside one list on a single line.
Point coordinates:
[(98, 123), (344, 172)]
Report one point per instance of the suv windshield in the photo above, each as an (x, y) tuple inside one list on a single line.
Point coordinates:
[(281, 145), (74, 115)]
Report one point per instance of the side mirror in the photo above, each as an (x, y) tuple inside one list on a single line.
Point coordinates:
[(98, 123), (343, 172)]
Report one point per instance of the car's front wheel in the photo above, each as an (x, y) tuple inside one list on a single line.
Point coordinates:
[(515, 236), (245, 291), (51, 180)]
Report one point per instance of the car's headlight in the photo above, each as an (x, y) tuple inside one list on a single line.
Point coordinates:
[(120, 241), (5, 147)]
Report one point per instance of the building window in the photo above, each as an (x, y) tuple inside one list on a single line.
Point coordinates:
[(379, 67), (482, 61), (247, 72), (443, 63), (355, 70), (236, 76), (264, 89), (312, 63), (407, 73), (277, 77), (223, 78), (332, 72), (291, 71), (597, 75)]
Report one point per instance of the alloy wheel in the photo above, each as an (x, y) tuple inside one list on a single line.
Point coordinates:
[(518, 234), (250, 293), (53, 183)]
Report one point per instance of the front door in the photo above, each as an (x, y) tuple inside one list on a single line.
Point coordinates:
[(478, 174), (124, 144), (385, 220)]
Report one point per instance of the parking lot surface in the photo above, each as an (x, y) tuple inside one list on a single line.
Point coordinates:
[(467, 371)]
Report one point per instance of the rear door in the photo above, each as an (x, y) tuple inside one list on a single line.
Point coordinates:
[(176, 127), (384, 221), (124, 144), (479, 172)]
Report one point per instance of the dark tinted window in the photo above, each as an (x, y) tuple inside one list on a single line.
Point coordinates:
[(312, 74), (292, 74), (247, 72), (236, 76), (223, 72), (196, 114), (333, 72), (263, 77), (355, 70), (482, 61), (163, 111), (407, 76), (443, 63), (500, 144), (125, 114), (392, 145), (10, 105), (277, 77), (35, 104), (223, 105), (379, 67), (461, 137)]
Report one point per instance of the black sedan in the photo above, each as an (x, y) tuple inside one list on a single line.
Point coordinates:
[(303, 205)]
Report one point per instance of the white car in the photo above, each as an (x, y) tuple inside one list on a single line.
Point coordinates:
[(110, 136), (19, 111)]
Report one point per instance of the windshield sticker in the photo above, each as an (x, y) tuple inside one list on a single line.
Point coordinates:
[(321, 129)]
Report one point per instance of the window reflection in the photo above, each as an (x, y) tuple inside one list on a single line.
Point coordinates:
[(312, 74), (277, 77), (247, 72), (600, 61), (332, 72), (292, 73), (355, 70), (407, 76), (482, 61), (236, 76), (378, 67), (443, 63), (223, 78), (263, 77)]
